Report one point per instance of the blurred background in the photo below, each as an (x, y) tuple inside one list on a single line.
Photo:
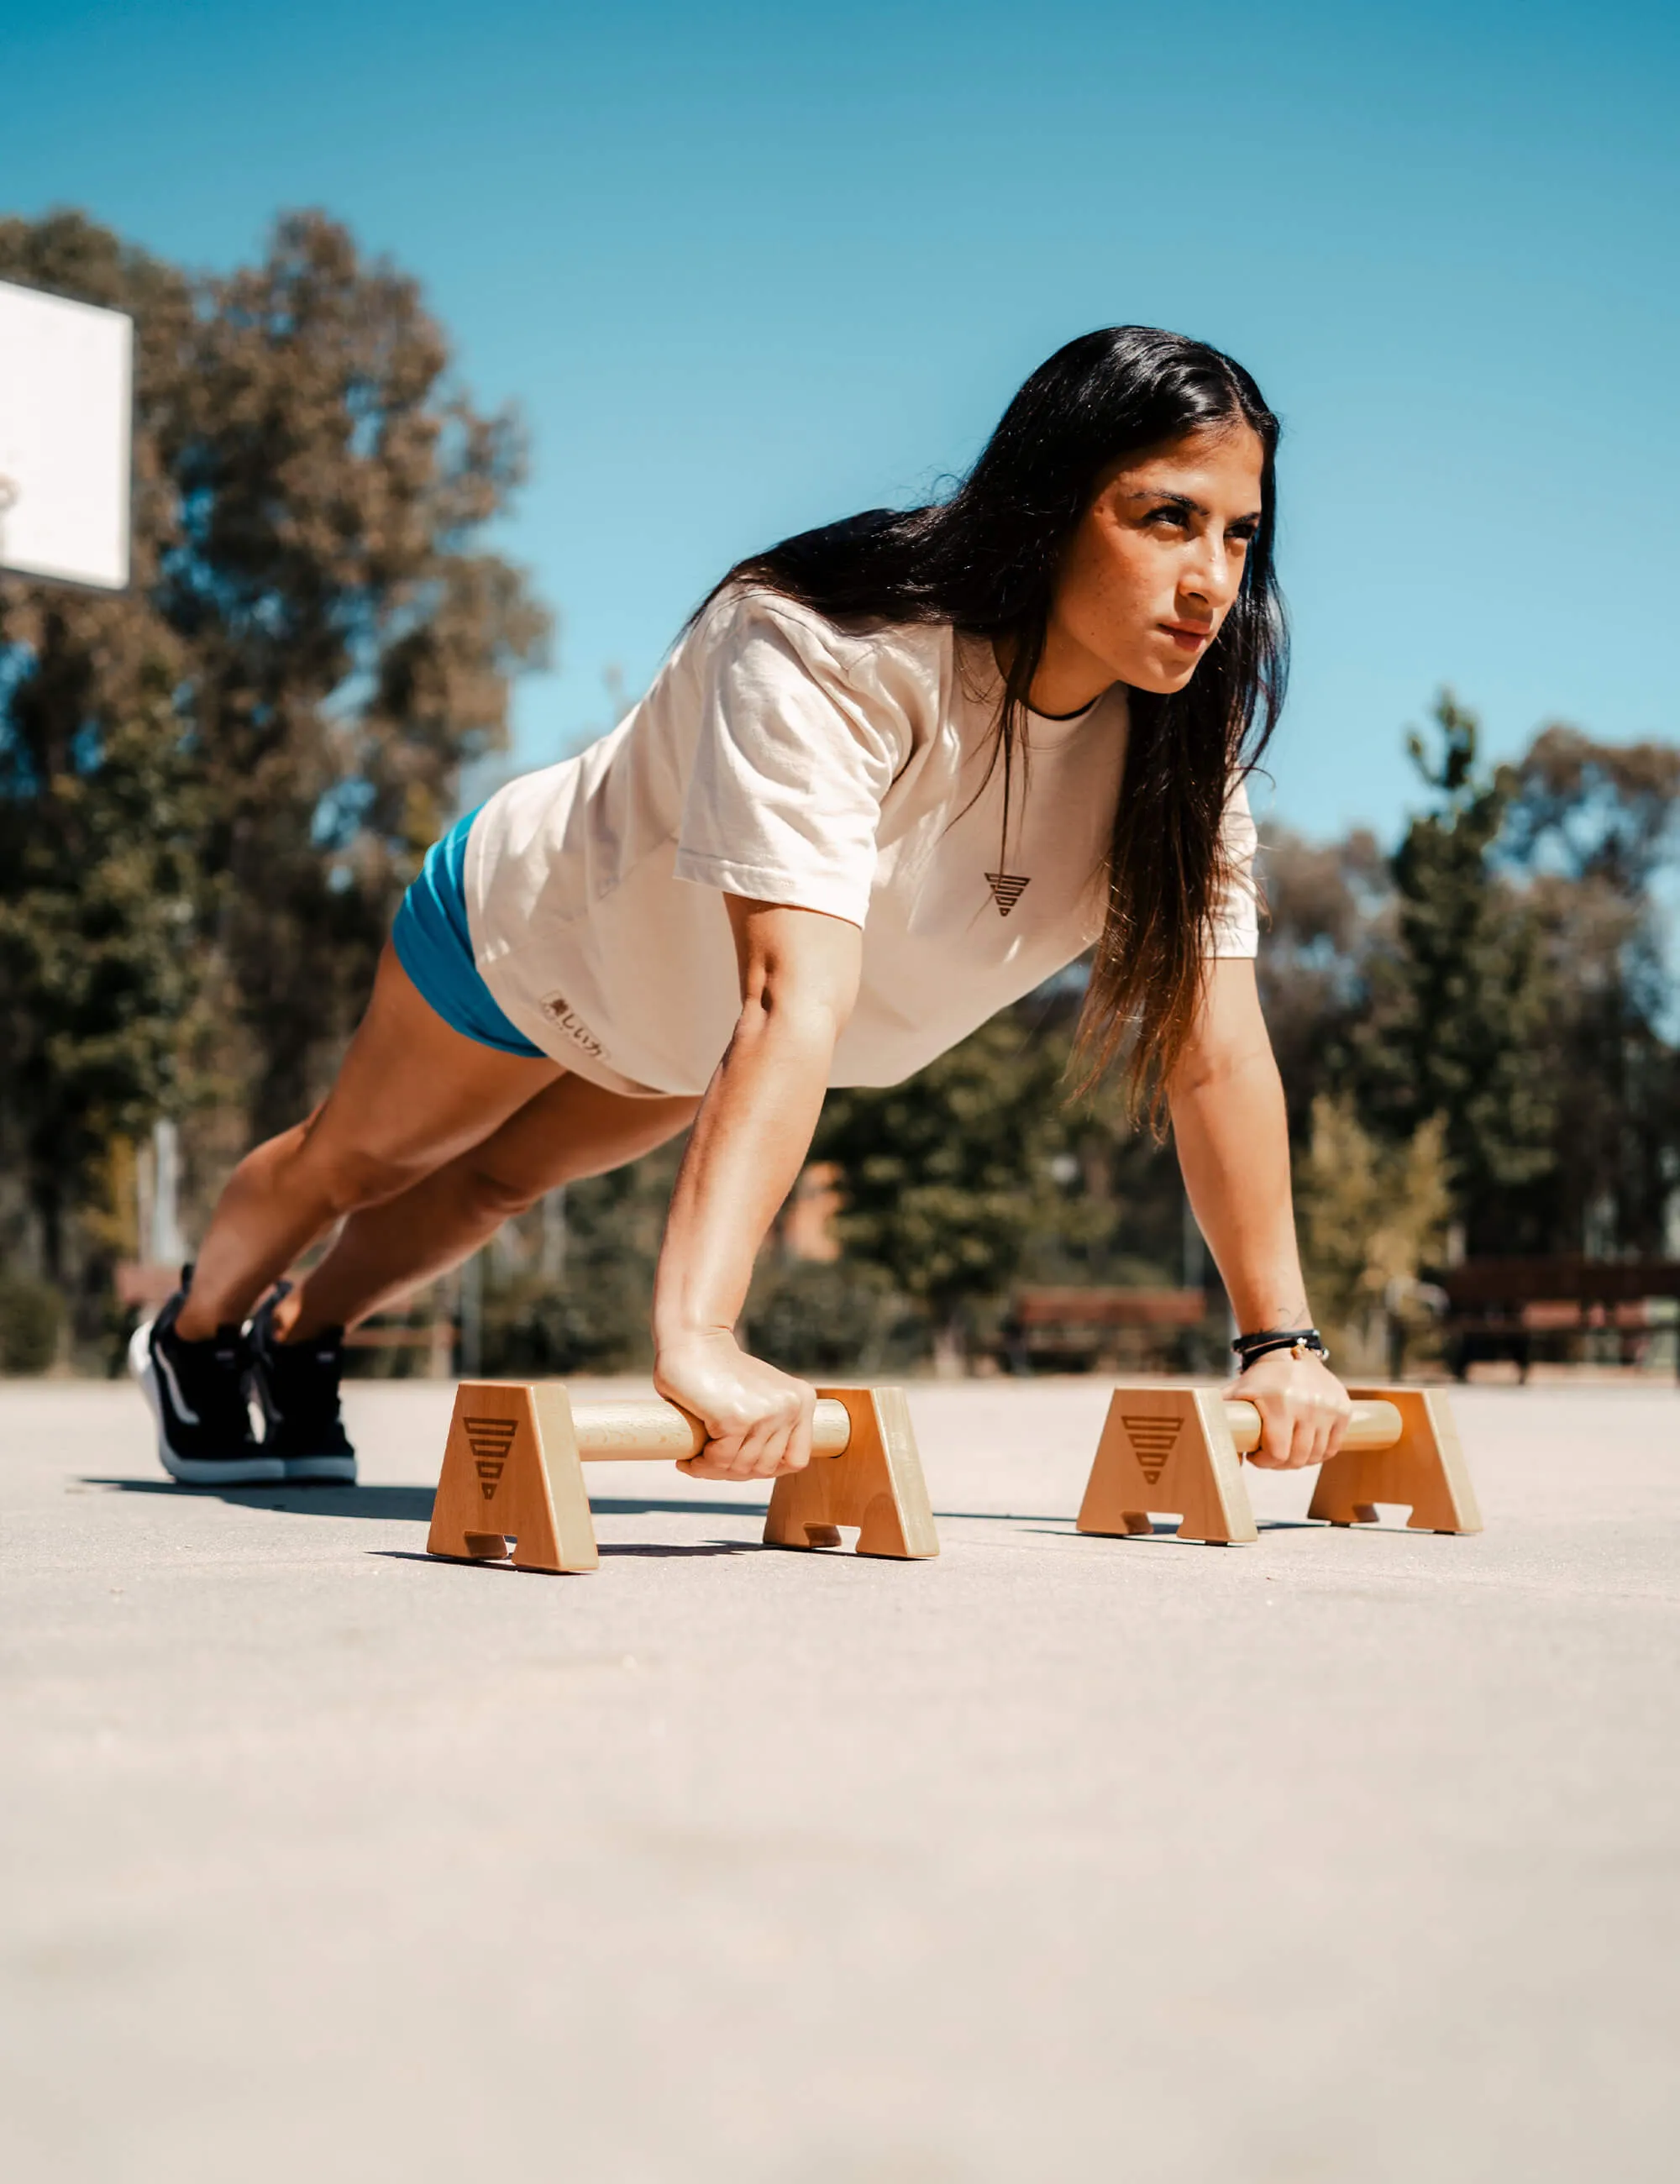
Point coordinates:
[(470, 347)]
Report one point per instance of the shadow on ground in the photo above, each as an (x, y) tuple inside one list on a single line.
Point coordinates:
[(661, 1550), (1166, 1528), (413, 1504), (402, 1504)]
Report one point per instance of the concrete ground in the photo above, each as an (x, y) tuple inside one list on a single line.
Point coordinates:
[(1347, 1855)]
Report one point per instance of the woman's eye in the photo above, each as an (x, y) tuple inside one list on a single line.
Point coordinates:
[(1165, 518)]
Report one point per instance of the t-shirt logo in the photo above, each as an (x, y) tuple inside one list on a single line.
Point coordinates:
[(1007, 890), (559, 1010)]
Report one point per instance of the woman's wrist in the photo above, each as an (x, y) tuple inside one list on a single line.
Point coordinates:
[(681, 1331), (1256, 1305), (1300, 1339)]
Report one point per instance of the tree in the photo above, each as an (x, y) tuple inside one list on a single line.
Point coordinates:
[(351, 647), (1327, 905), (1592, 810), (948, 1177), (590, 1312), (1457, 1001), (1590, 827), (1371, 1215), (218, 782), (99, 900)]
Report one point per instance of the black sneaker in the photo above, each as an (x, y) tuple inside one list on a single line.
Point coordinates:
[(197, 1392), (296, 1383)]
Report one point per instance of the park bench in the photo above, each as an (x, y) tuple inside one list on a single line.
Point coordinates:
[(1074, 1331), (1520, 1309)]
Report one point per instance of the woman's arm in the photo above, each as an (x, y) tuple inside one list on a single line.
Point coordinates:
[(1233, 1148), (799, 974)]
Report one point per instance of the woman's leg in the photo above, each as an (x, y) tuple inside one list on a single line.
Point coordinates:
[(412, 1096), (569, 1129)]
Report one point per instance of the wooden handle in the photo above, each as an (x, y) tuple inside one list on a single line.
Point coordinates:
[(1373, 1425), (635, 1431)]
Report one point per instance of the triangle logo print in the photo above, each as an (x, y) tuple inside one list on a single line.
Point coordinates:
[(1151, 1440), (1007, 890), (490, 1441)]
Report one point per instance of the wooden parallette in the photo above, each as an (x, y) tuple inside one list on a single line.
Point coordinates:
[(517, 1448), (1181, 1450)]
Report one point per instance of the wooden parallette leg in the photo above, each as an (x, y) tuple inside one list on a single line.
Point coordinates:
[(1168, 1449), (876, 1483), (512, 1460), (1424, 1468)]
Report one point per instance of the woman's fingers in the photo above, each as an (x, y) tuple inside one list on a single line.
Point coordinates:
[(777, 1441), (1303, 1411), (1309, 1442), (1295, 1433), (1277, 1433)]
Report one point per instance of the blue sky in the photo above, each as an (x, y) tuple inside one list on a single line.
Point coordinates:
[(746, 267)]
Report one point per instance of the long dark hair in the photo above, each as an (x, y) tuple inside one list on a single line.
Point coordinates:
[(987, 558)]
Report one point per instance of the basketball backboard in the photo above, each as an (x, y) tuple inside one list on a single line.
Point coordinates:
[(65, 412)]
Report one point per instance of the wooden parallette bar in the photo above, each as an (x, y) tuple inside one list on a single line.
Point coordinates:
[(1179, 1450), (516, 1450), (646, 1429), (1374, 1424)]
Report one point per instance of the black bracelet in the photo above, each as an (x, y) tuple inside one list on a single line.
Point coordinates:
[(1252, 1347)]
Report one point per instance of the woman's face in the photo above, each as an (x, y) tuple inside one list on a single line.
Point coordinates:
[(1153, 568)]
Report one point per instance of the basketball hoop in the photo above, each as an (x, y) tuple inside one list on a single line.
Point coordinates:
[(66, 406)]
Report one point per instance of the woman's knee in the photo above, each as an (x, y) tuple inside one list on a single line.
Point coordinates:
[(500, 1197), (348, 1179)]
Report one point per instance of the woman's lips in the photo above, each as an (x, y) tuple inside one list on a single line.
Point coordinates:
[(1187, 639)]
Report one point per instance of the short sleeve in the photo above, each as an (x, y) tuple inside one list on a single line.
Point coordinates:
[(783, 800), (1236, 918)]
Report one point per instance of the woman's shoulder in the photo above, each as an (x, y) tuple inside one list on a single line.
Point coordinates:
[(863, 655)]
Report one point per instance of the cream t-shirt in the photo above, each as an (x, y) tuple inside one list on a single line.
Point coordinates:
[(779, 757)]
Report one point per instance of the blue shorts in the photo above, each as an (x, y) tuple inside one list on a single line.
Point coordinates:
[(434, 946)]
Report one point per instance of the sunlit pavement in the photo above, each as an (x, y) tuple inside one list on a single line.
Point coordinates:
[(1345, 1856)]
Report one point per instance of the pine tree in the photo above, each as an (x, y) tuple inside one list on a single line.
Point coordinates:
[(1458, 1005)]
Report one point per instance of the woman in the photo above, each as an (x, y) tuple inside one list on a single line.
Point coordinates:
[(895, 774)]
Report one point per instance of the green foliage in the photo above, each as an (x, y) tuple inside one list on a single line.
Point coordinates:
[(823, 1317), (99, 898), (350, 649), (1606, 812), (1459, 1002), (948, 1177), (590, 1313), (31, 1319), (213, 787), (1507, 970), (1371, 1215), (534, 1325), (1591, 828), (1329, 906)]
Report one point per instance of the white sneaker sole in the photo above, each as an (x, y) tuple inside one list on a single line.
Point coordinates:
[(194, 1470), (338, 1470)]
